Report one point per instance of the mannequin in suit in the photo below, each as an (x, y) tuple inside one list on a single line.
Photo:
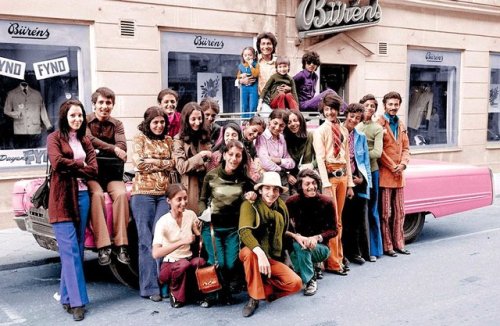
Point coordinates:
[(25, 106), (420, 106)]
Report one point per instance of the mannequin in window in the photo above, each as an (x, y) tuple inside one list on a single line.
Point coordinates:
[(420, 106), (60, 89), (25, 106), (433, 131)]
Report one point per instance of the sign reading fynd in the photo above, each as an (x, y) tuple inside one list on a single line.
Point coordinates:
[(316, 17)]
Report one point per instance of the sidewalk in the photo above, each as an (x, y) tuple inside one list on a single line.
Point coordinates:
[(20, 249)]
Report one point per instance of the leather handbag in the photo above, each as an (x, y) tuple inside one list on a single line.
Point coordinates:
[(41, 196), (208, 277)]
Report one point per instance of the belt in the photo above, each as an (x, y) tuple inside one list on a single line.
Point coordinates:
[(173, 260), (337, 173)]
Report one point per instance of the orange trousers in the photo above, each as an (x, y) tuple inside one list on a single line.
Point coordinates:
[(283, 280), (339, 191)]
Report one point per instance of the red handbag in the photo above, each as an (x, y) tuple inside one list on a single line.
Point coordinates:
[(208, 277)]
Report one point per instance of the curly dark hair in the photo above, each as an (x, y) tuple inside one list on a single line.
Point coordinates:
[(369, 97), (307, 173), (149, 115), (310, 57), (188, 135), (356, 108), (64, 127), (269, 36)]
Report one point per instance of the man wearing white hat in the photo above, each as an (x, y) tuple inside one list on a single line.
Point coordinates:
[(262, 228)]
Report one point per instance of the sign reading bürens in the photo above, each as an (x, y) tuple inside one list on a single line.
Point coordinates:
[(316, 17)]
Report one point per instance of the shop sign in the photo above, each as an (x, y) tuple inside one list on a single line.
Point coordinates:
[(317, 17), (12, 68), (51, 68), (203, 42), (23, 157), (433, 57), (17, 30)]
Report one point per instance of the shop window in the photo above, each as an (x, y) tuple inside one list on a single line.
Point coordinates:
[(41, 66), (432, 118), (31, 101), (200, 65), (494, 100), (199, 75)]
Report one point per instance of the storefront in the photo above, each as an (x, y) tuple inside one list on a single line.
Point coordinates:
[(41, 65), (203, 65), (442, 57)]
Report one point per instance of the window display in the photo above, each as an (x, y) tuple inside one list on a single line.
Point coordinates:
[(197, 66), (493, 133), (433, 98), (38, 71)]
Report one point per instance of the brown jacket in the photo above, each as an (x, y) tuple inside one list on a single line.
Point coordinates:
[(63, 197), (394, 152), (105, 135), (192, 168)]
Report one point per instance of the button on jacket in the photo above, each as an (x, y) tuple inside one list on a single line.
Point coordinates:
[(27, 110)]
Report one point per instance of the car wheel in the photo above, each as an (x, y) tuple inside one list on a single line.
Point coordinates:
[(414, 223), (128, 274)]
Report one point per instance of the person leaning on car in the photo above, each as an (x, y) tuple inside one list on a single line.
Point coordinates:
[(108, 137)]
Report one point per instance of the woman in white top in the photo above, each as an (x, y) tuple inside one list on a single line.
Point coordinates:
[(174, 233)]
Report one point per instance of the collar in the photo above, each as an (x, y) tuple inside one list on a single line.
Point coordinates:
[(267, 134), (391, 119), (272, 62), (91, 118), (308, 73)]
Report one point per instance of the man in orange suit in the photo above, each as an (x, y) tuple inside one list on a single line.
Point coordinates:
[(394, 160)]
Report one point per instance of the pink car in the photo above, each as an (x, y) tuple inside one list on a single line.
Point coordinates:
[(440, 189), (432, 187)]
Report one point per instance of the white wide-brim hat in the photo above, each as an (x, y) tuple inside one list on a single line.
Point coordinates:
[(270, 179)]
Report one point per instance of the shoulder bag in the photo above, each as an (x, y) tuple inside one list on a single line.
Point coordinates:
[(41, 196), (208, 277)]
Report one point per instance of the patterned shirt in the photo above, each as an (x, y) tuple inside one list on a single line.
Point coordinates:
[(151, 178)]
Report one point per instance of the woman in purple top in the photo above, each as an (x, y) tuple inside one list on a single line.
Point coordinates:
[(305, 82)]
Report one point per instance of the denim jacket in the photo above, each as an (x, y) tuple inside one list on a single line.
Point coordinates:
[(362, 156)]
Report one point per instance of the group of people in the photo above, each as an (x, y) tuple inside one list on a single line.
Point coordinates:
[(285, 204)]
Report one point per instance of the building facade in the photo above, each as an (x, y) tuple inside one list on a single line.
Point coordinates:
[(443, 57)]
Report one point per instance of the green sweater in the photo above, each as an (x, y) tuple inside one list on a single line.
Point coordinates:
[(225, 193), (374, 136), (278, 80), (264, 227)]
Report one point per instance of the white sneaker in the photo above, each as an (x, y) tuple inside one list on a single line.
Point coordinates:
[(311, 287)]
